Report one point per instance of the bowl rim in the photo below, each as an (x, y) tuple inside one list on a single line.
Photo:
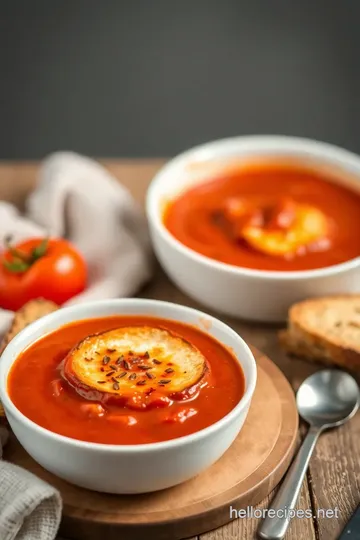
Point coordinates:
[(296, 145), (15, 347)]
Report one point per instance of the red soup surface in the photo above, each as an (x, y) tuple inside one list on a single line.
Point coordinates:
[(39, 389), (269, 217)]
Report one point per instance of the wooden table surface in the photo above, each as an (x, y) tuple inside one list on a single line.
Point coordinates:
[(333, 479)]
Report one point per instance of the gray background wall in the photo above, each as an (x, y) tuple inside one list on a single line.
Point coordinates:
[(153, 77)]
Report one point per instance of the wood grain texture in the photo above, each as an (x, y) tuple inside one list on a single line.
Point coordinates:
[(246, 528), (336, 459), (247, 472), (336, 464)]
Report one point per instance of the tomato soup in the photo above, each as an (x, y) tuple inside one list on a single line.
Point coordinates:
[(157, 407), (269, 217)]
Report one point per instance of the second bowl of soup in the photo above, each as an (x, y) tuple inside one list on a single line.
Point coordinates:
[(250, 225)]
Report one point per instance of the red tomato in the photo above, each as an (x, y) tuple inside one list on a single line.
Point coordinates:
[(40, 268)]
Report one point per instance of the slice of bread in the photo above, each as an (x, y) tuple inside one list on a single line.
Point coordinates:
[(29, 313), (133, 359), (326, 330)]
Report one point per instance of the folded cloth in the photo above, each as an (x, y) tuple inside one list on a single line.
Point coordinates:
[(30, 509), (76, 198)]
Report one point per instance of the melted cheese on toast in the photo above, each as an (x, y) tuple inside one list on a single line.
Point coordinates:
[(134, 359)]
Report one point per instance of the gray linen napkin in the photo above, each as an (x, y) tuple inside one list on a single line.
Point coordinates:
[(30, 509)]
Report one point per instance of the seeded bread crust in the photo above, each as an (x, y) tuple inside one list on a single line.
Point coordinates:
[(30, 312), (326, 330)]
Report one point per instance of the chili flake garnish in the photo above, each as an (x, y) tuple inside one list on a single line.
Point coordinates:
[(150, 375), (164, 381), (132, 376), (157, 362), (116, 386), (106, 359)]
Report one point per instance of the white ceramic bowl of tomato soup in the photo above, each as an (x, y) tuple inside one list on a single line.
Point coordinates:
[(125, 468), (248, 292)]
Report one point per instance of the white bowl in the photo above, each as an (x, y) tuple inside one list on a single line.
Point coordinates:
[(241, 292), (128, 468)]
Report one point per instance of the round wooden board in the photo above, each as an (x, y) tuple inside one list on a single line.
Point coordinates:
[(248, 472)]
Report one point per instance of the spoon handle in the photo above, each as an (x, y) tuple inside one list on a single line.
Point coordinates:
[(275, 524)]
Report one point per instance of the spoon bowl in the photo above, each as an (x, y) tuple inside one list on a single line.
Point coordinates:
[(328, 398)]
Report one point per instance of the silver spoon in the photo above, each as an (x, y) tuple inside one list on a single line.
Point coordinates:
[(326, 399)]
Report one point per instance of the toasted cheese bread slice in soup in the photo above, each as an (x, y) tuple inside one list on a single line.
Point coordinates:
[(134, 361)]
